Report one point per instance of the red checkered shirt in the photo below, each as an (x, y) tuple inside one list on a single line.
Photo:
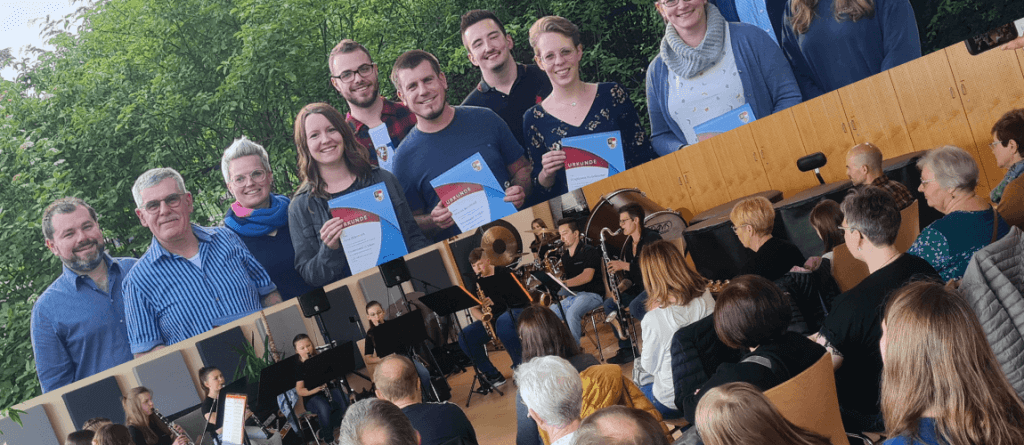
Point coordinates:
[(899, 192), (396, 116)]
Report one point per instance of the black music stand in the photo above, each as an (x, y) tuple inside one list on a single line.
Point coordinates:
[(402, 335), (553, 286), (276, 379), (449, 301), (505, 289)]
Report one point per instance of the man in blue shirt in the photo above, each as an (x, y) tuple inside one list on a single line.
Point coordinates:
[(191, 278), (445, 136), (78, 326)]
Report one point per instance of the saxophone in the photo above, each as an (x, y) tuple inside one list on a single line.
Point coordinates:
[(488, 316), (171, 426)]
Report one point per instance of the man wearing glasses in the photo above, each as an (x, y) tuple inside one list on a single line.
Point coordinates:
[(379, 124), (192, 278), (631, 220)]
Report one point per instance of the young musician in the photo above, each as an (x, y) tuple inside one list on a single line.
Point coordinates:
[(631, 220), (376, 315), (475, 336), (144, 427), (212, 380), (316, 399), (582, 263), (113, 434)]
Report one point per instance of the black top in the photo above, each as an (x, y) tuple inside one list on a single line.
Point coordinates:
[(368, 344), (789, 355), (647, 236), (208, 404), (854, 328), (586, 256), (139, 439), (440, 423), (775, 257), (531, 87), (300, 376)]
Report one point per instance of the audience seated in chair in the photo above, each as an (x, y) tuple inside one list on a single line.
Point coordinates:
[(377, 422), (552, 391), (739, 413), (113, 434), (941, 383), (753, 220), (620, 425), (83, 437), (396, 381)]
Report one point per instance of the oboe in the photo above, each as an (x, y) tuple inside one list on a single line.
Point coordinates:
[(171, 426)]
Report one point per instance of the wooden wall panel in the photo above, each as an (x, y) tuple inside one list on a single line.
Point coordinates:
[(663, 179), (778, 142), (821, 125), (704, 180), (873, 115), (739, 162), (990, 84)]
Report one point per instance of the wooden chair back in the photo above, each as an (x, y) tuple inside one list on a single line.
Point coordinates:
[(809, 400), (849, 271)]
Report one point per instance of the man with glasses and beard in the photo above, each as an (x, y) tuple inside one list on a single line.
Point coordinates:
[(191, 279), (379, 124), (78, 324)]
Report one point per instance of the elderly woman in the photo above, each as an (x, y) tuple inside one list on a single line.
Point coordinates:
[(753, 314), (852, 329), (833, 43), (1007, 137), (753, 220), (331, 164), (574, 108), (694, 77), (260, 217), (676, 297), (948, 178)]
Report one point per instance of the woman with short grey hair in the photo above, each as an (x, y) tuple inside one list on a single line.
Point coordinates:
[(948, 178)]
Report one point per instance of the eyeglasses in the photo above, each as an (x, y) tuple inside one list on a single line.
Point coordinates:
[(736, 229), (257, 176), (925, 181), (173, 201), (992, 146), (363, 70), (671, 3), (623, 221), (847, 228)]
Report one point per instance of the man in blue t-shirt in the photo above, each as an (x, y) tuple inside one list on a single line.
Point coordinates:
[(445, 136)]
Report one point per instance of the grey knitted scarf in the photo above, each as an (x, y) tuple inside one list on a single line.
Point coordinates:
[(686, 61)]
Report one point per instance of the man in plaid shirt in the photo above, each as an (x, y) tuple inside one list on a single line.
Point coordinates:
[(864, 167), (379, 124)]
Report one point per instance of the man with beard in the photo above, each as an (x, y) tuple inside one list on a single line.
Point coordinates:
[(379, 124), (445, 136), (78, 324)]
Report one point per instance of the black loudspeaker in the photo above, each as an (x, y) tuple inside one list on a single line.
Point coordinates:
[(314, 302), (395, 272)]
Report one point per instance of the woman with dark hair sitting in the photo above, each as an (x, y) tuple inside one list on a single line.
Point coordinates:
[(753, 314), (825, 218), (942, 383), (1007, 137)]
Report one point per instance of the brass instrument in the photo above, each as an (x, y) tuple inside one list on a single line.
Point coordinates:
[(485, 307), (171, 426)]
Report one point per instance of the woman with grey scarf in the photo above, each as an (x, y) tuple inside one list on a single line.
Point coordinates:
[(707, 68)]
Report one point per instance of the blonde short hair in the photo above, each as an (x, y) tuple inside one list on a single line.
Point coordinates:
[(757, 212)]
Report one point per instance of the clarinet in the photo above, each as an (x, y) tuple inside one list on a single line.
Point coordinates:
[(260, 424), (171, 426), (613, 281)]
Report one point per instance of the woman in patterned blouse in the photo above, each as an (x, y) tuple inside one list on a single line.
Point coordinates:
[(574, 108)]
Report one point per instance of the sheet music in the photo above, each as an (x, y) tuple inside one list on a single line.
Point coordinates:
[(560, 283), (234, 419)]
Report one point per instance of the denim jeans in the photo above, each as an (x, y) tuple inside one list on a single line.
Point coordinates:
[(323, 409), (666, 412), (575, 308), (474, 337)]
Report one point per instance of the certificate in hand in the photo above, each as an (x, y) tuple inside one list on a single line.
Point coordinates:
[(592, 157), (470, 191), (371, 234), (729, 120)]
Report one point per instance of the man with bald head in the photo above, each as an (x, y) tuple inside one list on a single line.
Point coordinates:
[(620, 425), (437, 423), (864, 167)]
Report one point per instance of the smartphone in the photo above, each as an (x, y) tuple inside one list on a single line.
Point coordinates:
[(994, 38)]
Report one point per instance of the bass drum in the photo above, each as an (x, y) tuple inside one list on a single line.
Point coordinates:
[(669, 223)]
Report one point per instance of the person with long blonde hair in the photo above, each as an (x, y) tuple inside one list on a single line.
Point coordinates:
[(144, 427), (739, 413), (833, 43), (941, 382), (332, 163), (676, 297)]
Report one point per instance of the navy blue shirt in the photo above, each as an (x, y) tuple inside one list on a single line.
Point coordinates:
[(530, 87), (79, 330), (169, 299), (276, 255), (440, 423)]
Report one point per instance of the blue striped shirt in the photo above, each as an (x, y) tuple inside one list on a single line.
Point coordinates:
[(169, 299), (77, 329)]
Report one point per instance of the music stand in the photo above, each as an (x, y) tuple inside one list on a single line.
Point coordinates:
[(449, 301), (554, 285), (235, 387), (505, 289), (329, 365), (402, 335)]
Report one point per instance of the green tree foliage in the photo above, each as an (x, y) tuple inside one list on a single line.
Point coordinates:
[(945, 22)]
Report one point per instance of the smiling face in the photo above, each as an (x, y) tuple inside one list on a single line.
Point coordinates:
[(77, 240), (146, 403), (167, 222), (252, 194), (214, 380), (360, 91), (557, 56), (489, 47), (325, 142), (423, 90), (304, 348), (685, 16)]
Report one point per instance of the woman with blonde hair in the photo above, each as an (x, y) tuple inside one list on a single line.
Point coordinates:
[(331, 164), (941, 382), (676, 297), (753, 220), (144, 427), (112, 434), (739, 413)]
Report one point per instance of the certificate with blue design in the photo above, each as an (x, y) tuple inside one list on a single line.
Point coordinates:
[(729, 120), (383, 146), (592, 157), (471, 192), (371, 234)]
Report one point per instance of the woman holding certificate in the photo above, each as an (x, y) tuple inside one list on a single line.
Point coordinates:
[(574, 109), (332, 164), (710, 76)]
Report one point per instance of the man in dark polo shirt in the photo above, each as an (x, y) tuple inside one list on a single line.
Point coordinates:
[(508, 88), (581, 263), (437, 423)]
